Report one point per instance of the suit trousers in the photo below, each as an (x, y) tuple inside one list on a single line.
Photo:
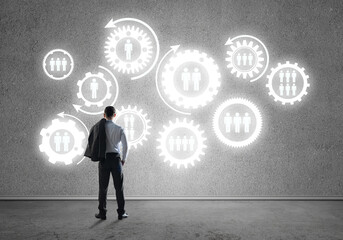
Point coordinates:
[(111, 165)]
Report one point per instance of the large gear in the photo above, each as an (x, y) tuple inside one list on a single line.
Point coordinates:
[(196, 57), (145, 45), (239, 72), (216, 119), (108, 94), (143, 117), (199, 137), (298, 96), (69, 126)]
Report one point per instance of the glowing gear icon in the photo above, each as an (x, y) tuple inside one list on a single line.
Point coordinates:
[(188, 140), (203, 93), (58, 64), (237, 122), (287, 83), (248, 57), (135, 124), (90, 76), (128, 65), (59, 156)]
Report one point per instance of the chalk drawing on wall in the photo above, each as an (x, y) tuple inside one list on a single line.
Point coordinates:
[(135, 123), (132, 47), (58, 64), (237, 122), (181, 143), (248, 57), (287, 83)]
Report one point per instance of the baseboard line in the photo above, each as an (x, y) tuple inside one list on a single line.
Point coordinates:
[(179, 198)]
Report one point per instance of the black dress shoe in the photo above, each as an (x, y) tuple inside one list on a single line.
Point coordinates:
[(125, 215), (101, 216)]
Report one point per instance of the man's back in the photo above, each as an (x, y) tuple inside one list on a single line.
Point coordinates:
[(114, 135)]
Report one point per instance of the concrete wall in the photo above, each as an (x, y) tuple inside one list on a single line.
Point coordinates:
[(299, 152)]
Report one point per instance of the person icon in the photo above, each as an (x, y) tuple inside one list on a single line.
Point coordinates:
[(287, 75), (246, 122), (281, 76), (132, 120), (288, 89), (52, 64), (185, 78), (294, 89), (128, 48), (64, 65), (244, 58), (57, 141), (250, 59), (184, 143), (94, 86), (58, 65), (196, 77), (281, 89), (237, 120), (178, 143), (171, 142), (227, 122), (191, 142), (239, 59), (294, 76), (66, 141), (126, 121), (132, 134)]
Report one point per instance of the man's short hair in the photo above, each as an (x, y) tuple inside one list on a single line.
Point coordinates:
[(110, 111)]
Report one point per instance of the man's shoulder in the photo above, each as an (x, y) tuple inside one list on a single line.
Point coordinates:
[(114, 125)]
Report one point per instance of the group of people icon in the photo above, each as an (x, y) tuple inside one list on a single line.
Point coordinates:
[(58, 63), (129, 121), (181, 144), (187, 77), (62, 141), (128, 48), (287, 90), (244, 59), (237, 121)]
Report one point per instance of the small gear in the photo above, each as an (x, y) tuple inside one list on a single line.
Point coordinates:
[(216, 121), (172, 92), (145, 45), (199, 138), (142, 117), (99, 103), (303, 91), (69, 126)]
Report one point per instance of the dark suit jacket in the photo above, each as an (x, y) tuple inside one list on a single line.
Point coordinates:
[(96, 147)]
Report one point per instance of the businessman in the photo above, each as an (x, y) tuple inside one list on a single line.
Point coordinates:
[(103, 146)]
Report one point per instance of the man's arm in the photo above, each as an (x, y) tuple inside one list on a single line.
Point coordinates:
[(124, 146)]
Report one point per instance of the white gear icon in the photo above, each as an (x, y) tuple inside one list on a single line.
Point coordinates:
[(259, 51), (217, 119), (145, 121), (199, 138), (107, 95), (299, 95), (145, 45), (196, 57), (66, 158)]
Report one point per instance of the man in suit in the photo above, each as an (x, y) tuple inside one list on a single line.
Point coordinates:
[(103, 146)]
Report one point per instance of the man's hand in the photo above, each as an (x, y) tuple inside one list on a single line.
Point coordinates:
[(122, 163)]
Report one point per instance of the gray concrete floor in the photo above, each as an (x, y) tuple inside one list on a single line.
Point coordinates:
[(260, 220)]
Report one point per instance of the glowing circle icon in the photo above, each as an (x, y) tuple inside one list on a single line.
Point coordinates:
[(237, 122), (132, 47), (190, 79), (58, 64), (248, 57), (287, 83), (62, 141), (135, 123), (181, 143)]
